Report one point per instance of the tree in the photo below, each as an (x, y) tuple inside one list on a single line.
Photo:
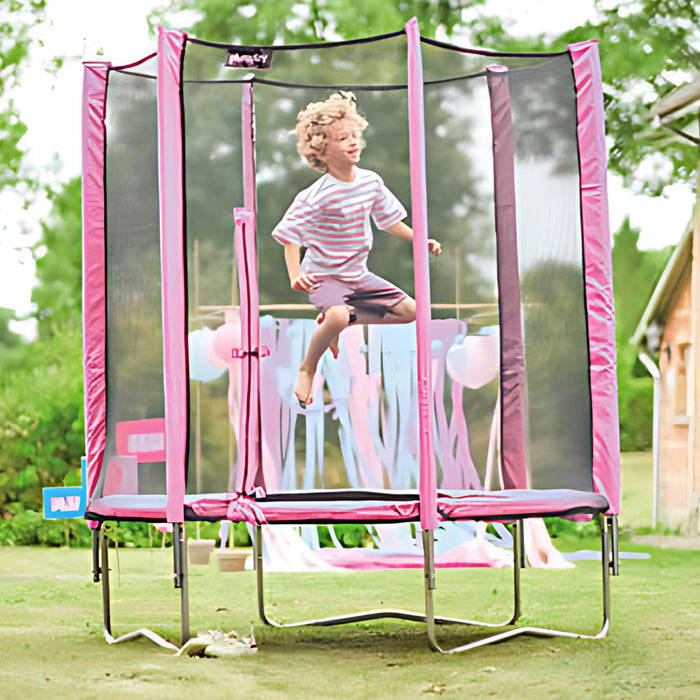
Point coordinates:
[(11, 344), (647, 47), (58, 255), (17, 19), (288, 21), (41, 423), (18, 22), (634, 272), (41, 429)]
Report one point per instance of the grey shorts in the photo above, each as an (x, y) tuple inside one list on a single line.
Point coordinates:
[(370, 292)]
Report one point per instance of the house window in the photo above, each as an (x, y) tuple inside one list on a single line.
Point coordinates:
[(684, 394)]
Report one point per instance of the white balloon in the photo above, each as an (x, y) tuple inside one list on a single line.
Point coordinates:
[(200, 368), (474, 360)]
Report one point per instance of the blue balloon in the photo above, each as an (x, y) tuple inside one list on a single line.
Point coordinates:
[(201, 369)]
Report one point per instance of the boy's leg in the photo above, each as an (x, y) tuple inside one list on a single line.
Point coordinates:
[(328, 294), (334, 345), (377, 300), (403, 312), (333, 321)]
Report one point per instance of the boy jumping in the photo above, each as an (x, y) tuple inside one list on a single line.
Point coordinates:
[(331, 219)]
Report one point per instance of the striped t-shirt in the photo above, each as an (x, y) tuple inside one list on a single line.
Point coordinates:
[(331, 220)]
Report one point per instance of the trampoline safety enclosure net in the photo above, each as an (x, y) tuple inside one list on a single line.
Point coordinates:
[(194, 337)]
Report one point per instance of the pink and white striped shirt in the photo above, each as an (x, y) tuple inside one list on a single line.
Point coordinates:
[(331, 219)]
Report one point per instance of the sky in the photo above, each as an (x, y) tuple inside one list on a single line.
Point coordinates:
[(79, 29)]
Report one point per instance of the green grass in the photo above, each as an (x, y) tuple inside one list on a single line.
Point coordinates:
[(637, 491), (53, 646)]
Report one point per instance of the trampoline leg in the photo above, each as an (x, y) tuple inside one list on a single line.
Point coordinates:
[(614, 545), (607, 565), (96, 554), (180, 578), (258, 565), (518, 564), (519, 527), (429, 575), (104, 570)]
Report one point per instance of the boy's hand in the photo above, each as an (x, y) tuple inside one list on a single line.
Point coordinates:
[(303, 283), (434, 246)]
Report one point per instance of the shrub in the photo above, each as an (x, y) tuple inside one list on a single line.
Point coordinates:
[(27, 527), (41, 422)]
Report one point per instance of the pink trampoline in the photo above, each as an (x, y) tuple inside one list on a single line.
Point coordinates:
[(498, 404)]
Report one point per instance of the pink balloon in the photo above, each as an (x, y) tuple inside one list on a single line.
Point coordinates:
[(226, 338)]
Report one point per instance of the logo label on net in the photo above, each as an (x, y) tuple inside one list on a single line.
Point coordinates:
[(259, 58)]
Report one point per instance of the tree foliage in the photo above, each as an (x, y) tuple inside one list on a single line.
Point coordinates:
[(17, 20), (58, 256), (41, 421), (41, 427), (288, 21), (634, 274), (647, 47)]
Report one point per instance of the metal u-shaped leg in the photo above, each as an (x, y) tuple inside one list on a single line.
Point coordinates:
[(104, 572), (181, 579)]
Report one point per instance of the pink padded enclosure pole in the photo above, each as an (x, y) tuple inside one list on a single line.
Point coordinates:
[(597, 252), (513, 381), (249, 474), (170, 174), (94, 272), (419, 216)]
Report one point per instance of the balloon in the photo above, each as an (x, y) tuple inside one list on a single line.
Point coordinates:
[(474, 360), (201, 369), (226, 338)]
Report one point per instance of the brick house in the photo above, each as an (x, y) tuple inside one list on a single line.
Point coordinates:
[(668, 338)]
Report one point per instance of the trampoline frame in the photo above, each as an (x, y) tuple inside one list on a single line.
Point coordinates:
[(507, 628), (426, 498)]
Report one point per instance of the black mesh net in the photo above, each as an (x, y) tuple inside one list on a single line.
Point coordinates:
[(362, 429), (134, 346), (314, 449)]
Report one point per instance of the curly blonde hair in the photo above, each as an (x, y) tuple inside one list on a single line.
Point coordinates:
[(319, 121)]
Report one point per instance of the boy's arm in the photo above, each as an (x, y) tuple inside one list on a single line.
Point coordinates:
[(402, 231), (297, 279)]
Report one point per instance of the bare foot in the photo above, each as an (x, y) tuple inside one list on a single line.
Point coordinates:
[(303, 389)]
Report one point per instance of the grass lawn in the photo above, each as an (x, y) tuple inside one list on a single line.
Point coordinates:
[(636, 512), (53, 646)]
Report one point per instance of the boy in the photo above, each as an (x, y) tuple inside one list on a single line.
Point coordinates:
[(331, 218)]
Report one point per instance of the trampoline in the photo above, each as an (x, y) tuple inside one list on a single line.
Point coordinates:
[(498, 404)]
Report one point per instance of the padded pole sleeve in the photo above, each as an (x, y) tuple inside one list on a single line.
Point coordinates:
[(94, 269), (249, 473), (419, 215), (597, 251), (172, 251), (513, 382)]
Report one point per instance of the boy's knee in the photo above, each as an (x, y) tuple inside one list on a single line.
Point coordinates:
[(337, 317), (407, 310)]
